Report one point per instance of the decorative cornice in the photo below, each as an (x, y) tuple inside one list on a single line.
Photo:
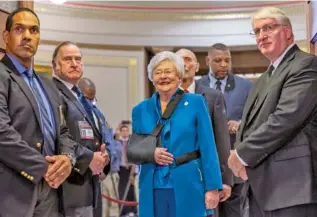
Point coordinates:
[(101, 13)]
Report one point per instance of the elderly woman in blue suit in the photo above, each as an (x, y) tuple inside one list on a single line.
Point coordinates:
[(190, 189)]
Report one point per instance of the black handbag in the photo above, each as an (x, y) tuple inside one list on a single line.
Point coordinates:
[(141, 147)]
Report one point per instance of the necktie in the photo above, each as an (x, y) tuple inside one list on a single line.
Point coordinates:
[(47, 125), (218, 85), (269, 71), (186, 91), (84, 103)]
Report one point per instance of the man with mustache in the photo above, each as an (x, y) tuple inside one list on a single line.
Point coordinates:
[(276, 144), (235, 90), (216, 106), (36, 151), (82, 200)]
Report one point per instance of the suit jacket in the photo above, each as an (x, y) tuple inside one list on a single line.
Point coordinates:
[(278, 132), (22, 165), (216, 107), (188, 129), (236, 93), (88, 192)]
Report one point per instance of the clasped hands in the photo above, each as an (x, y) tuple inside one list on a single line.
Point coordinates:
[(99, 161), (60, 166)]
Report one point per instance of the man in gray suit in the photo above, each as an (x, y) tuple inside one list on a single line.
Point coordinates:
[(36, 150), (235, 90), (82, 200), (276, 144), (216, 105)]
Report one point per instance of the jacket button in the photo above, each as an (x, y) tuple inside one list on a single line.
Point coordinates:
[(38, 145)]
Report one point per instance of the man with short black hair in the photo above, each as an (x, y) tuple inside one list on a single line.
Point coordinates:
[(235, 90), (36, 151)]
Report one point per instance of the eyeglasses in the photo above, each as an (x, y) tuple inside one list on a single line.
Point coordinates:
[(266, 29), (165, 72)]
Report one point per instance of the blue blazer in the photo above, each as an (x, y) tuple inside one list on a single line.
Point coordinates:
[(188, 129), (236, 93)]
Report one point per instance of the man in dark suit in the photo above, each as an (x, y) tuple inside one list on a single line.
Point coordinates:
[(235, 90), (276, 144), (110, 183), (80, 200), (216, 105), (36, 152)]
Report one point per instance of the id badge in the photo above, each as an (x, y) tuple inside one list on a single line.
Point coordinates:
[(85, 130)]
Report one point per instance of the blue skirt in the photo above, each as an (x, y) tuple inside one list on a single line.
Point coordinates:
[(164, 202)]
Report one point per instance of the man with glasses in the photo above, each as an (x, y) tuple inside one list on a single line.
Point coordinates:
[(83, 200), (276, 144)]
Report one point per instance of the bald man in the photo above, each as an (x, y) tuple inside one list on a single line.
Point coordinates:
[(110, 183), (216, 106)]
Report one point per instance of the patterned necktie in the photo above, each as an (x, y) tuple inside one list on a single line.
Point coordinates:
[(47, 125), (218, 85), (84, 103)]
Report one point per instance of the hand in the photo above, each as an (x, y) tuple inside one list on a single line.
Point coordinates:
[(98, 162), (59, 169), (103, 148), (236, 166), (225, 193), (162, 157), (211, 199), (233, 127)]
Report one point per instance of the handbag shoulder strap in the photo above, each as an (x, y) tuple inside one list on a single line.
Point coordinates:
[(168, 112)]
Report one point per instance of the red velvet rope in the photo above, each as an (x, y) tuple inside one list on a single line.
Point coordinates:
[(122, 202)]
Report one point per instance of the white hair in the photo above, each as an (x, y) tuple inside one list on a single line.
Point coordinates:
[(274, 13), (163, 56)]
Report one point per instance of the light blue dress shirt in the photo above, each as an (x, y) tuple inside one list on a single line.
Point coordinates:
[(213, 81), (21, 69)]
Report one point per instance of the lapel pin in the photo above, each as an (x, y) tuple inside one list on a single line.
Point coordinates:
[(186, 103)]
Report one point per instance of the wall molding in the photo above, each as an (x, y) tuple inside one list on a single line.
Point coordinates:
[(112, 14)]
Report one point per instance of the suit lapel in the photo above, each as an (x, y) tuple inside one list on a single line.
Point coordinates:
[(199, 89), (260, 97), (16, 76), (230, 85), (75, 101)]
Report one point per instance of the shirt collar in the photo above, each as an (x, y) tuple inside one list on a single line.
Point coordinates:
[(191, 88), (213, 78), (277, 62), (67, 84), (21, 69)]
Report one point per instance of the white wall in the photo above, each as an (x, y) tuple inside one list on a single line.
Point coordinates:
[(95, 26), (118, 75)]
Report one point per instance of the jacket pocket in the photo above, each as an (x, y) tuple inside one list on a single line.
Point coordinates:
[(292, 152)]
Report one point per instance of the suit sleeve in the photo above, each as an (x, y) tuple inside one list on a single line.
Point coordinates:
[(220, 126), (207, 147), (297, 102), (82, 154), (15, 152)]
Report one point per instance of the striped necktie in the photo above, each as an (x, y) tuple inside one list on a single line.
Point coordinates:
[(48, 130)]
